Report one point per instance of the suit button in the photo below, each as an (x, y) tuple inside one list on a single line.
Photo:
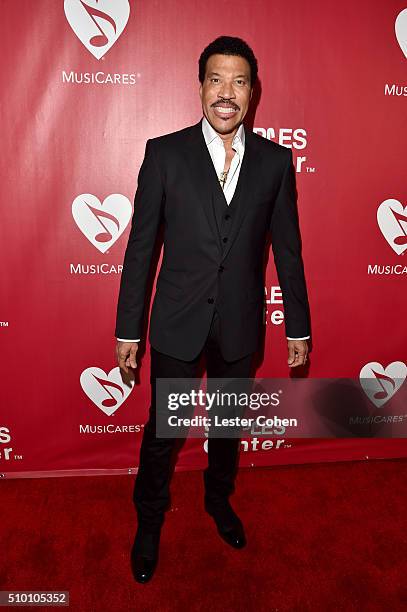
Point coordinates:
[(225, 239), (221, 268), (227, 217), (210, 300)]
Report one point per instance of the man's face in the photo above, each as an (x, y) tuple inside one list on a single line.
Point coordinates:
[(226, 92)]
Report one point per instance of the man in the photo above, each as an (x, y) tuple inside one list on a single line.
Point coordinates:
[(219, 188)]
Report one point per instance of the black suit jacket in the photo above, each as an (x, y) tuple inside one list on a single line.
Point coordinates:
[(177, 184)]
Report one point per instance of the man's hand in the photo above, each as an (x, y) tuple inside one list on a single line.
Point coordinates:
[(126, 355), (297, 352)]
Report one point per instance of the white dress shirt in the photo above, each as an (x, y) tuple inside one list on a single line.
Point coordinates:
[(217, 152)]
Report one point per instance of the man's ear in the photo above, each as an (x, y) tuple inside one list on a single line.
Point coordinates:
[(200, 90), (251, 93)]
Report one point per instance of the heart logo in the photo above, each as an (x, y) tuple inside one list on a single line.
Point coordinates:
[(97, 23), (392, 220), (380, 384), (102, 224), (106, 391), (401, 30)]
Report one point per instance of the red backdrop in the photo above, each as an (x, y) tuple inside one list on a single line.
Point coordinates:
[(84, 85)]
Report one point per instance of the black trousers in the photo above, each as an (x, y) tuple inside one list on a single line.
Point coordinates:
[(151, 491)]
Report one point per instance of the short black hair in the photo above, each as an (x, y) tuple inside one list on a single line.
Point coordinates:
[(228, 45)]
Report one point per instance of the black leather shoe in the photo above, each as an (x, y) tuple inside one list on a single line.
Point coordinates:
[(234, 537), (144, 555), (229, 525), (143, 568)]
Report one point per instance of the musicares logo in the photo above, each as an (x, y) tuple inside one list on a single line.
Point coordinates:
[(106, 391), (379, 383), (102, 224), (97, 23), (401, 30), (392, 220), (400, 26)]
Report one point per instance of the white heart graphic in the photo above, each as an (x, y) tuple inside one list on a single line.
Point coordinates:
[(401, 30), (106, 391), (97, 23), (381, 384), (102, 224), (392, 220)]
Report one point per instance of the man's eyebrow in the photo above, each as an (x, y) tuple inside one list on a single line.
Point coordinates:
[(238, 76)]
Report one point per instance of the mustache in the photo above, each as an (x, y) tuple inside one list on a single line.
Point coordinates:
[(228, 102)]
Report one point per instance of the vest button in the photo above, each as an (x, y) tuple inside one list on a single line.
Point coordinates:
[(221, 268), (227, 217), (210, 300), (225, 239)]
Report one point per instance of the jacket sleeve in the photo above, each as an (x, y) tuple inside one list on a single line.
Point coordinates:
[(286, 245), (137, 258)]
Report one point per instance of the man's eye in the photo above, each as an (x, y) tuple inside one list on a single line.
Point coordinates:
[(214, 79), (240, 82)]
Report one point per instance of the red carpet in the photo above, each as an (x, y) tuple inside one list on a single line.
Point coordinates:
[(320, 537)]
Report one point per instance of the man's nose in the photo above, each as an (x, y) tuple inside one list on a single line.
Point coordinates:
[(226, 91)]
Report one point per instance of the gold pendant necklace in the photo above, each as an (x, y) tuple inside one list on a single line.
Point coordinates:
[(223, 177)]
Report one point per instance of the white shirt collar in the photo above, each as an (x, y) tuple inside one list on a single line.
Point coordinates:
[(210, 134)]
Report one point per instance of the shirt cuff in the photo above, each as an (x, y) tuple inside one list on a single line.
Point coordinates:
[(303, 338), (126, 340)]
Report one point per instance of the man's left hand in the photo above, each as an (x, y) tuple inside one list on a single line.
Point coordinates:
[(297, 352)]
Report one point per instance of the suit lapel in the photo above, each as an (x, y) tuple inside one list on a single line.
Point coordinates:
[(203, 175), (246, 183)]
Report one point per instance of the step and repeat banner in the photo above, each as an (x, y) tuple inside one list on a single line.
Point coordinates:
[(84, 84)]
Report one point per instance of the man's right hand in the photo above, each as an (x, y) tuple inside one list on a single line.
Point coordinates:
[(126, 355)]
